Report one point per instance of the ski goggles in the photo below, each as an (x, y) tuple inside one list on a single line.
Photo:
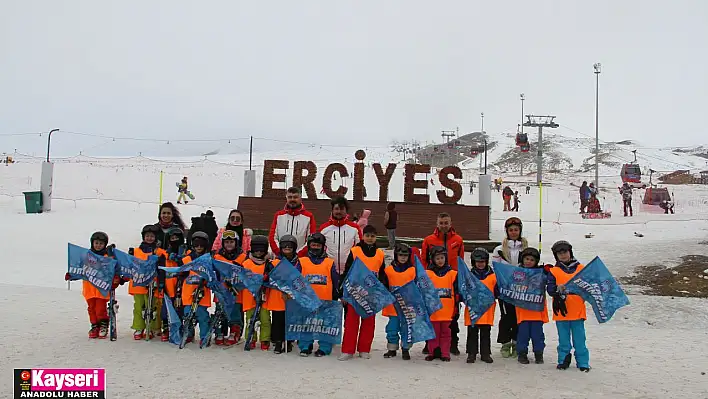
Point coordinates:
[(229, 234)]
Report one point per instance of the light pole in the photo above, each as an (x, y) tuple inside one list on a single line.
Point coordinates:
[(522, 96), (597, 68), (485, 144)]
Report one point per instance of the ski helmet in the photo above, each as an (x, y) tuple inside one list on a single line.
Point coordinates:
[(149, 228), (513, 221), (435, 251), (100, 236), (480, 255), (175, 232), (288, 241), (316, 238), (200, 236), (401, 249), (259, 244), (560, 246), (533, 252)]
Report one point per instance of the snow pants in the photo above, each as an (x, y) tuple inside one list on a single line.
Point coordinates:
[(182, 197), (628, 204), (97, 310), (479, 339), (202, 320), (139, 305), (507, 324), (442, 338), (391, 233), (393, 334), (455, 328), (572, 331), (353, 332), (264, 318), (532, 330), (507, 203)]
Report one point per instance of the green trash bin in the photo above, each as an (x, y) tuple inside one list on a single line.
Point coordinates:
[(33, 201)]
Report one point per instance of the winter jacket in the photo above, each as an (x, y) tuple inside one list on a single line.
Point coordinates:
[(245, 245), (369, 251), (594, 206), (342, 235), (626, 193), (364, 219), (584, 193), (297, 222), (450, 240), (509, 251)]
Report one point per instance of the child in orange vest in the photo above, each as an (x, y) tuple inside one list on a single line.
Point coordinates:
[(321, 272), (398, 274), (170, 286), (97, 303), (482, 328), (192, 283), (147, 247), (275, 299), (568, 310), (230, 252), (445, 282), (258, 263), (531, 321), (373, 259)]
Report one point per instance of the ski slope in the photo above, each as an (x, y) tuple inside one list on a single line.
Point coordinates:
[(651, 349)]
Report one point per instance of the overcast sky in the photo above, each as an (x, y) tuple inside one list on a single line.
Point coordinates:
[(355, 72)]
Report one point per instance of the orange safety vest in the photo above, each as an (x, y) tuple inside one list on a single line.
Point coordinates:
[(245, 297), (445, 286), (372, 263), (532, 315), (188, 289), (319, 276), (90, 292), (275, 300), (574, 303), (138, 253), (487, 318), (395, 280)]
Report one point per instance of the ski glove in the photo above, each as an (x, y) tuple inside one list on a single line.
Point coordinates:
[(67, 277), (559, 305), (116, 282)]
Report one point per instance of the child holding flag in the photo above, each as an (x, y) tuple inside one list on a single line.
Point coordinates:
[(275, 300), (147, 247), (399, 273), (481, 330), (444, 280), (373, 259), (230, 252), (568, 310), (257, 263), (193, 282), (171, 287), (531, 321)]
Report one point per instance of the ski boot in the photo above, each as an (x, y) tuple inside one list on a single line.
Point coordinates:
[(584, 369), (506, 350), (430, 358), (445, 359), (471, 358), (278, 347), (138, 335), (454, 350), (539, 357), (389, 354), (219, 340), (103, 329), (513, 348), (365, 355), (234, 335), (425, 349), (566, 362), (320, 353), (306, 352), (93, 332), (345, 356), (487, 358), (523, 358), (405, 354), (165, 334), (289, 346), (265, 345)]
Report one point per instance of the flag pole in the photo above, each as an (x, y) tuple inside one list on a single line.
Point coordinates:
[(161, 175)]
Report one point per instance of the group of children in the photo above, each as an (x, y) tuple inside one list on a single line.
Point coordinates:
[(568, 310)]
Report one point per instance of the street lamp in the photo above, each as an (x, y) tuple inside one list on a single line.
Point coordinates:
[(597, 67)]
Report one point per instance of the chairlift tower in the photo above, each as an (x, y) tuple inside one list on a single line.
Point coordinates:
[(447, 134), (540, 121)]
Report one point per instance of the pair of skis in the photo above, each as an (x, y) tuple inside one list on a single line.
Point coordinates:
[(257, 310), (190, 320), (150, 311), (216, 320)]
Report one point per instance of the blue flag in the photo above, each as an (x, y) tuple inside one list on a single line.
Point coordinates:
[(520, 286), (97, 270), (413, 316), (364, 291), (287, 279), (238, 276), (174, 321), (597, 286), (202, 266), (427, 289), (324, 324), (141, 272), (476, 296)]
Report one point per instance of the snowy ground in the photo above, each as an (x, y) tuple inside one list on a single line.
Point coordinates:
[(654, 348)]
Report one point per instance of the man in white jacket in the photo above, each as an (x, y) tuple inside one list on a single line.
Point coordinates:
[(342, 234), (294, 220)]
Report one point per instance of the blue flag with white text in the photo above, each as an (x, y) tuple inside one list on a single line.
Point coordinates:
[(323, 325), (202, 266), (239, 276), (522, 287), (413, 316), (364, 291), (476, 296), (427, 289), (175, 323), (97, 270), (596, 285), (287, 279), (140, 271)]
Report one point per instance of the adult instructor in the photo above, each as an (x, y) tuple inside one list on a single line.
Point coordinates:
[(294, 220)]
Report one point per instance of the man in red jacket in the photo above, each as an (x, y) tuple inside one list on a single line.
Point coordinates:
[(445, 236)]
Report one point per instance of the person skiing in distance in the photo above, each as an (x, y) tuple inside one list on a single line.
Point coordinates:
[(230, 252), (322, 274), (341, 233), (98, 303), (171, 286), (569, 311), (509, 253), (182, 189), (295, 220), (356, 337), (258, 263), (147, 247), (275, 299), (531, 321), (444, 280), (626, 192), (168, 217), (479, 335), (191, 282), (399, 273), (235, 223)]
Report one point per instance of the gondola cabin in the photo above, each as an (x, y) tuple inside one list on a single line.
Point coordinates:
[(631, 173), (522, 139), (525, 147)]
